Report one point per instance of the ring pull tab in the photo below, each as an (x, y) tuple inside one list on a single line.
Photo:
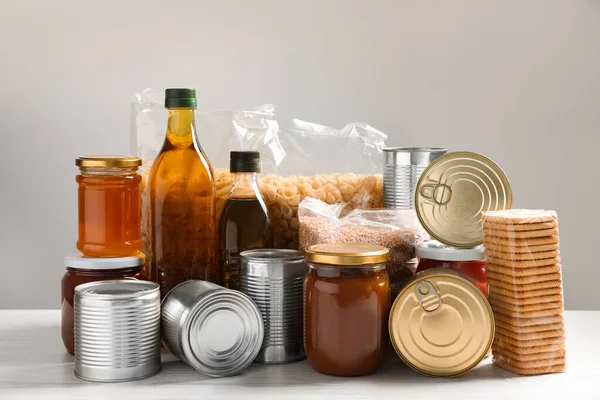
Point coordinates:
[(439, 193), (429, 299)]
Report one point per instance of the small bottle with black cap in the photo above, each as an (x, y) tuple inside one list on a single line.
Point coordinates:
[(244, 223)]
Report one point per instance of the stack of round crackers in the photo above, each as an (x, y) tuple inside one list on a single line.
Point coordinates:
[(525, 290)]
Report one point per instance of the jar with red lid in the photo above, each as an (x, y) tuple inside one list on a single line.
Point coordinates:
[(81, 270), (470, 261)]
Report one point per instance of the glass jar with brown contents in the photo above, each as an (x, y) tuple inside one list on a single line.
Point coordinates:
[(346, 304), (109, 206), (182, 201), (85, 269)]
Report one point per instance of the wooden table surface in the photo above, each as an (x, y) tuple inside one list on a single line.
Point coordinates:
[(35, 365)]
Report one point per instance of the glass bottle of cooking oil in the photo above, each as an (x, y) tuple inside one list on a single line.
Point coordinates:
[(244, 223), (182, 198)]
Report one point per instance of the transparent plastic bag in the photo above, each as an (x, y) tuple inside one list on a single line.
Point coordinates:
[(523, 273), (398, 230), (300, 159), (147, 133)]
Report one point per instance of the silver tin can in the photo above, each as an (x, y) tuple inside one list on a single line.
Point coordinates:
[(217, 331), (117, 330), (274, 278), (402, 168)]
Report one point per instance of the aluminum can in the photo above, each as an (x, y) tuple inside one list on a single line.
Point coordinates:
[(217, 331), (453, 192), (402, 168), (117, 330), (273, 279), (441, 324)]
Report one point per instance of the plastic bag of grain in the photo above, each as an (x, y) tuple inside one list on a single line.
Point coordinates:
[(398, 230)]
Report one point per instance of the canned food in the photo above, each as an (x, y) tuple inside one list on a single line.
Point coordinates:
[(453, 192), (273, 279), (215, 330), (402, 168), (441, 324), (117, 330)]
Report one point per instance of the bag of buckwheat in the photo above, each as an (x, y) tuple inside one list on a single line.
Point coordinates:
[(398, 230)]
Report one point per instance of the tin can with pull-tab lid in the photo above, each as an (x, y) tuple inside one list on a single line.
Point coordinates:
[(441, 324)]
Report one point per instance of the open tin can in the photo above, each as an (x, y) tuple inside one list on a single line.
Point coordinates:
[(217, 331), (441, 324)]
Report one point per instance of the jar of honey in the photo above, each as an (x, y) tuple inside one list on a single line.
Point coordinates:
[(470, 262), (109, 206), (346, 304), (82, 269)]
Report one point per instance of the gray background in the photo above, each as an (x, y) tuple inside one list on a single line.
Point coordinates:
[(518, 81)]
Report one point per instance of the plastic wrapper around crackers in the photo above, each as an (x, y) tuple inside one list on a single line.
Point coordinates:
[(523, 273), (299, 158), (398, 230)]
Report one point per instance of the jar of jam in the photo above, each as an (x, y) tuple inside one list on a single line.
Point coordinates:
[(109, 206), (346, 305), (470, 262), (83, 270)]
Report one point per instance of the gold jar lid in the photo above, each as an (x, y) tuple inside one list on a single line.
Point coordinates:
[(108, 161), (452, 193), (346, 254), (441, 324)]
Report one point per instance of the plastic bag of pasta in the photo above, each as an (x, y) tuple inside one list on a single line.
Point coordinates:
[(300, 159)]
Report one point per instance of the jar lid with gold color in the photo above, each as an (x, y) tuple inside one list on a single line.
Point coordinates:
[(108, 161), (346, 254), (441, 324)]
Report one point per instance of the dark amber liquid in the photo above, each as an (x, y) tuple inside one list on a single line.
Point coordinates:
[(109, 215), (182, 197), (244, 226)]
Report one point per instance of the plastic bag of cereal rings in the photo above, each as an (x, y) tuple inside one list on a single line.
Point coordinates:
[(398, 230), (301, 159)]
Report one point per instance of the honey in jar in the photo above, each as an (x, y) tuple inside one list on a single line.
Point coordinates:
[(109, 206), (346, 304), (182, 201)]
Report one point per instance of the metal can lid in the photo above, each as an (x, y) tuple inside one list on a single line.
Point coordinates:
[(223, 333), (120, 289), (452, 193), (343, 254), (273, 263), (441, 324), (108, 161), (421, 156), (434, 250), (79, 261)]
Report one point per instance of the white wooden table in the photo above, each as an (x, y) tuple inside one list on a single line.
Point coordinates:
[(35, 365)]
